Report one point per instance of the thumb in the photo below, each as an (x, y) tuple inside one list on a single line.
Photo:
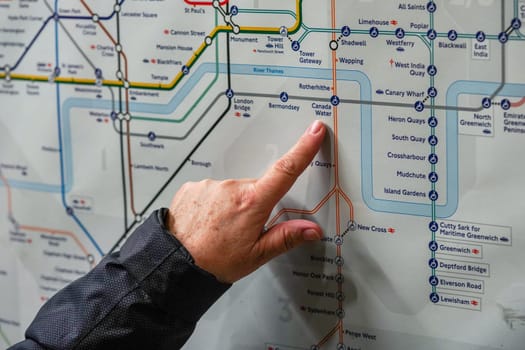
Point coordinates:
[(286, 236)]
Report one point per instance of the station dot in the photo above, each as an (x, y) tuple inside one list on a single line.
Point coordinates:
[(208, 40), (419, 106), (433, 280), (400, 33), (228, 19), (341, 346), (216, 3), (433, 159), (127, 116), (138, 218), (118, 47), (236, 29), (434, 297), (480, 36), (516, 23), (8, 77), (346, 31), (95, 18), (505, 104), (334, 45), (119, 75), (452, 35), (120, 116), (432, 70), (117, 8), (90, 258), (431, 34), (126, 84), (340, 314), (432, 122), (503, 37), (431, 7), (7, 69)]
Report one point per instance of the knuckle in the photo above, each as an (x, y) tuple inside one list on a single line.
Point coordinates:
[(256, 254), (247, 196), (228, 183), (242, 195), (288, 241), (260, 257), (186, 186), (287, 167), (206, 182)]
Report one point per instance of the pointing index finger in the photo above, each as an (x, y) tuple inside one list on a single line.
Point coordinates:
[(277, 180)]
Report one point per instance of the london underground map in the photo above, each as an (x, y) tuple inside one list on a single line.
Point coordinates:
[(109, 106)]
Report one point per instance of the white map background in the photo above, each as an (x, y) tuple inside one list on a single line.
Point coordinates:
[(108, 107)]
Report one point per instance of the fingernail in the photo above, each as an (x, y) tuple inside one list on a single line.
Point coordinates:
[(315, 127), (311, 235)]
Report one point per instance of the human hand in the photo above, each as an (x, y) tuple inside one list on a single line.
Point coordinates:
[(221, 222)]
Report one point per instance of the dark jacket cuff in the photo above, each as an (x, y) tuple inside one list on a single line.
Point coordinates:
[(166, 271)]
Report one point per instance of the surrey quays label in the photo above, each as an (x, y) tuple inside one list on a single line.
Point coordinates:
[(459, 301), (470, 285), (474, 232), (463, 267)]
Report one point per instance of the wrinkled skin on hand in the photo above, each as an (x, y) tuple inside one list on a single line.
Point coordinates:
[(221, 223)]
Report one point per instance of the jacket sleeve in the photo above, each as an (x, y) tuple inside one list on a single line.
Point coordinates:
[(149, 295)]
